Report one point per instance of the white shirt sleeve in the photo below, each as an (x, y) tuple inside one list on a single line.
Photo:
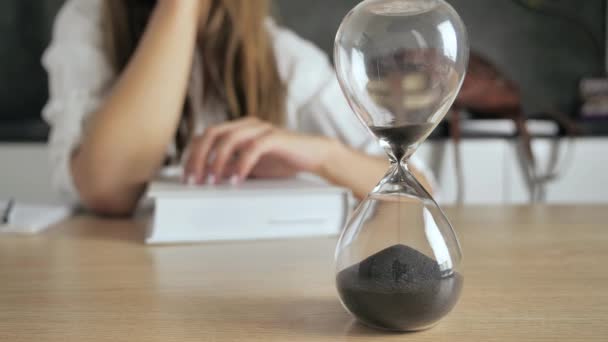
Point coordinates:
[(316, 103), (79, 77)]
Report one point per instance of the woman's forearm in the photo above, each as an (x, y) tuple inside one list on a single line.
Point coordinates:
[(358, 171), (126, 140)]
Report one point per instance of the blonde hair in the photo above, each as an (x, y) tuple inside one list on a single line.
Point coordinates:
[(239, 68)]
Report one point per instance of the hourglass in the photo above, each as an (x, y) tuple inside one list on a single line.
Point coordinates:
[(400, 64)]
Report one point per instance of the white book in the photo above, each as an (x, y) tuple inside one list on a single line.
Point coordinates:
[(256, 209)]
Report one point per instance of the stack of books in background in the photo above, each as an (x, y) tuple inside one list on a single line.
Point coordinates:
[(594, 95)]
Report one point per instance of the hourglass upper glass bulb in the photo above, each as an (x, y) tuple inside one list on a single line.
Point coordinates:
[(401, 64)]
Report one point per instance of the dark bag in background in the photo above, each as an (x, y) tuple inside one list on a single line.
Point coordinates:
[(487, 93)]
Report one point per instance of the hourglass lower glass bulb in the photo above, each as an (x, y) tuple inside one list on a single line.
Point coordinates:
[(400, 64)]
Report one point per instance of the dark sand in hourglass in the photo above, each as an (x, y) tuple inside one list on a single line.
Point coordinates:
[(398, 288), (404, 135)]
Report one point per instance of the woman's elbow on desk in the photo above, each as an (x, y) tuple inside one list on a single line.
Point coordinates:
[(106, 202), (102, 193), (107, 205)]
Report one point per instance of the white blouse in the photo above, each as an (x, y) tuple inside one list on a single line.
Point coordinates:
[(80, 76)]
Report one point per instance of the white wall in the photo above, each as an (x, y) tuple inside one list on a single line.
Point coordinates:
[(25, 173), (491, 172), (585, 178)]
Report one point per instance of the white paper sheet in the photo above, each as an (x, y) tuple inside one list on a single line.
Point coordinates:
[(28, 218)]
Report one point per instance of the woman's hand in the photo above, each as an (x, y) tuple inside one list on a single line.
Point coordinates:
[(251, 147)]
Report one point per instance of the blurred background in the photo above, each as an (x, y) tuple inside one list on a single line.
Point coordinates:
[(551, 52)]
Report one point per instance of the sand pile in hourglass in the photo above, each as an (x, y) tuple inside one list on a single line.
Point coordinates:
[(375, 289)]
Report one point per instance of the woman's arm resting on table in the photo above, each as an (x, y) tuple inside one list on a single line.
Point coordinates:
[(126, 139), (265, 151)]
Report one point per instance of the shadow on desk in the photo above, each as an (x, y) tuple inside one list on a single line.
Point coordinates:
[(91, 228), (278, 316)]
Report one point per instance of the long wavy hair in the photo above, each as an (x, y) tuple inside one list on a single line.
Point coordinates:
[(239, 67)]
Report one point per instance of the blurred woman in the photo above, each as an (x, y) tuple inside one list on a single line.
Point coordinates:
[(216, 85)]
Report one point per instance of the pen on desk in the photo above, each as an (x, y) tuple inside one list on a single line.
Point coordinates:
[(6, 215)]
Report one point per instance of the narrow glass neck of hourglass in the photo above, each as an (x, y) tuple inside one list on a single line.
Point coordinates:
[(400, 181), (400, 154)]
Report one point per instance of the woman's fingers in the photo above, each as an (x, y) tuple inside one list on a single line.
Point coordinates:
[(255, 141), (238, 147), (226, 148), (199, 152), (295, 152), (252, 154), (202, 150)]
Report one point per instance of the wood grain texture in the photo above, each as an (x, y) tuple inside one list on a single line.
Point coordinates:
[(531, 274)]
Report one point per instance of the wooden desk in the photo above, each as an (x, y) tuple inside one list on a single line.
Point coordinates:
[(536, 274)]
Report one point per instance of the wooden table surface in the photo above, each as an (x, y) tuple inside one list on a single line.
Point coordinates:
[(531, 274)]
